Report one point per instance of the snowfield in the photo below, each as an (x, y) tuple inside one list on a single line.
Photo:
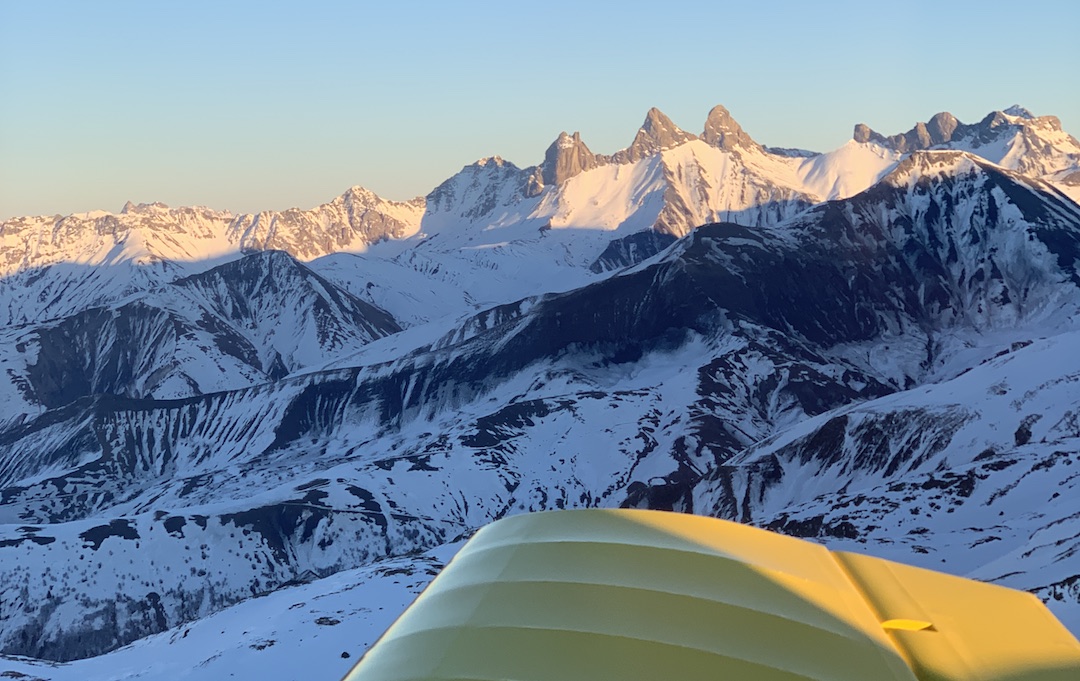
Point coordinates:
[(237, 445)]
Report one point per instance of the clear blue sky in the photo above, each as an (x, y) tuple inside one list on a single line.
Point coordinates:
[(263, 105)]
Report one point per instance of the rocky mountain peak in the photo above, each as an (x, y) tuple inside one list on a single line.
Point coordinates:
[(934, 163), (357, 195), (863, 133), (155, 207), (994, 119), (360, 196), (656, 134), (566, 157), (657, 120), (492, 162), (724, 132), (359, 191), (940, 129), (944, 128), (1019, 112)]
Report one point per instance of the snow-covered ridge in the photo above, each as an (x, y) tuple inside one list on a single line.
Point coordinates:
[(1015, 138), (148, 233), (667, 179)]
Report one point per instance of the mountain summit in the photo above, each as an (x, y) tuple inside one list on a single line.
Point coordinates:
[(1014, 138), (565, 158), (656, 134), (938, 130), (724, 132)]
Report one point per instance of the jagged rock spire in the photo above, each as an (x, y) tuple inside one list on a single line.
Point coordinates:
[(944, 128), (940, 129), (656, 134), (724, 132), (566, 157)]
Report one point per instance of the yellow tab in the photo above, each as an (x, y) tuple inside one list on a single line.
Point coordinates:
[(906, 625)]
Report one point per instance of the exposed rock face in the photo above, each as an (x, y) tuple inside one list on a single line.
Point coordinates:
[(566, 157), (792, 152), (215, 330), (477, 190), (944, 128), (1021, 112), (146, 233), (863, 133), (632, 249), (356, 217), (723, 132), (1032, 145), (938, 130), (656, 134), (941, 127)]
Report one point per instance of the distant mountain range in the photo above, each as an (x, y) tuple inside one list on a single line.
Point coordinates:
[(872, 347)]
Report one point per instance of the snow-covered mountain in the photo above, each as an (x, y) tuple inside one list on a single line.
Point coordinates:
[(1014, 138), (869, 347), (977, 472), (543, 224), (247, 321), (54, 266)]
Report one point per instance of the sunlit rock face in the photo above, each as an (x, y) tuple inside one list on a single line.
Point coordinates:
[(724, 132)]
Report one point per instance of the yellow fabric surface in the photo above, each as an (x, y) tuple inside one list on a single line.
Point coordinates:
[(981, 632), (906, 625), (625, 595)]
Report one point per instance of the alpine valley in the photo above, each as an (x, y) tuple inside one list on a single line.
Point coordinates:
[(241, 444)]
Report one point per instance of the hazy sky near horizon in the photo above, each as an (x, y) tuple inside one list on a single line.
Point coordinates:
[(251, 106)]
